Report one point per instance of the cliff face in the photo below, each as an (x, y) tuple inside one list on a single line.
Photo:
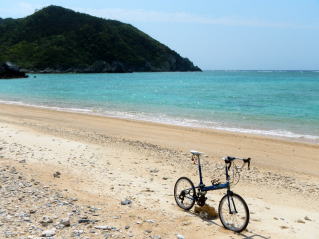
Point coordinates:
[(56, 39)]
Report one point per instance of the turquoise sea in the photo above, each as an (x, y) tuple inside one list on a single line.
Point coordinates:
[(276, 103)]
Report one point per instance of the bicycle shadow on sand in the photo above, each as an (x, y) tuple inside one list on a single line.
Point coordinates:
[(244, 235), (253, 236)]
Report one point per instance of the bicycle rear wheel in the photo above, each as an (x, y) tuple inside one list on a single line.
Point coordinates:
[(233, 212), (184, 193)]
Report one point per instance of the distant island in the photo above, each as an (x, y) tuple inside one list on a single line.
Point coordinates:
[(59, 40)]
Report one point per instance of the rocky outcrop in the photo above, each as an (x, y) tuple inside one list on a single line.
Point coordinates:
[(10, 71)]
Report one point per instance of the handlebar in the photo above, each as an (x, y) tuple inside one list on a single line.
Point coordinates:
[(229, 159)]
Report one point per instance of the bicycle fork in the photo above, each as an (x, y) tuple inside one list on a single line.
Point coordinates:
[(231, 202)]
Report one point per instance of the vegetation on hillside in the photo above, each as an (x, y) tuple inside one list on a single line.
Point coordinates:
[(61, 40)]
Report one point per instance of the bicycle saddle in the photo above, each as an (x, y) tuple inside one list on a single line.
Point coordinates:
[(229, 158), (194, 152)]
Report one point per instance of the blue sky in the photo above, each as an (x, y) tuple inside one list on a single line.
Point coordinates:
[(214, 34)]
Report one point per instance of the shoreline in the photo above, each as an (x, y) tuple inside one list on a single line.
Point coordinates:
[(272, 134), (269, 152), (102, 161)]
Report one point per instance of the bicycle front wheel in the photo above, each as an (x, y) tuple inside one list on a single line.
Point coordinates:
[(184, 193), (233, 212)]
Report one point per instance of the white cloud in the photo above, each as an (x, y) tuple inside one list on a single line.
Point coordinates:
[(140, 15), (21, 9), (25, 8)]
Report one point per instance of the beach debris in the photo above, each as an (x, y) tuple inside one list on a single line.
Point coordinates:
[(77, 233), (84, 219), (148, 190), (301, 221), (48, 233), (126, 202), (65, 222), (109, 228), (149, 221), (156, 237), (32, 211), (46, 221), (284, 227), (57, 174), (307, 218), (179, 236)]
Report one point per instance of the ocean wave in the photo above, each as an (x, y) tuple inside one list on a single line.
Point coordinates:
[(165, 119), (67, 109), (277, 133)]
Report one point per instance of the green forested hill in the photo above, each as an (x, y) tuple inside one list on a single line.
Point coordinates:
[(56, 39)]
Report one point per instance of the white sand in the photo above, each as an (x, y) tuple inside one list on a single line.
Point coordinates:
[(104, 161)]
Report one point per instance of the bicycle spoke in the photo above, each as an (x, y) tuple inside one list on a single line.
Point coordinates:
[(184, 193), (233, 213)]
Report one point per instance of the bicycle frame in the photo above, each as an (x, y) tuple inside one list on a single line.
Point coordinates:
[(204, 188)]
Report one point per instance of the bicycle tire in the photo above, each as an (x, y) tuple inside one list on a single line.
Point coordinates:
[(227, 213), (180, 195)]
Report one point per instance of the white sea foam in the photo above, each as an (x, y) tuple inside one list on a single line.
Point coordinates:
[(278, 133), (165, 119), (78, 110)]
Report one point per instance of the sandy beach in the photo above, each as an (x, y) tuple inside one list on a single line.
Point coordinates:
[(102, 161)]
